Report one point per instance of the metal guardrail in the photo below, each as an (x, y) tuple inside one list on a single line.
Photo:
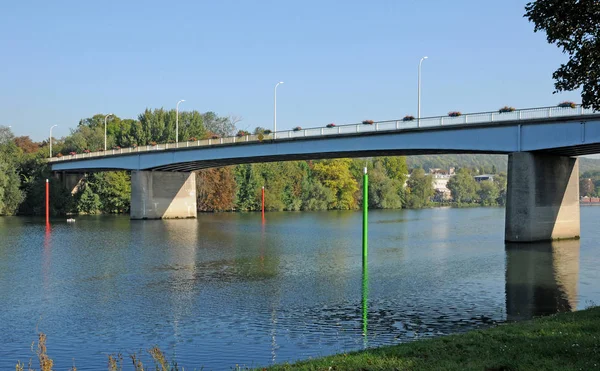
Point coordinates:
[(377, 126)]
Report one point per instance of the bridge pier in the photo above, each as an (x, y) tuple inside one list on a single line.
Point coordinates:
[(163, 195), (542, 201)]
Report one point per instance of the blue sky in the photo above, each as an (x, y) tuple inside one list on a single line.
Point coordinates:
[(341, 61)]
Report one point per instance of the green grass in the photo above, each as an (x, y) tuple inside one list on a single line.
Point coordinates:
[(569, 341)]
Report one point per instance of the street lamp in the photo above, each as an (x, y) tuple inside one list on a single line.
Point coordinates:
[(105, 117), (53, 126), (275, 110), (177, 121), (419, 94)]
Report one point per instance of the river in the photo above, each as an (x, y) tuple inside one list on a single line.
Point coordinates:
[(227, 289)]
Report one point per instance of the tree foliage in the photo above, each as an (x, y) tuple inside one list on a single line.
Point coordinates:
[(574, 26), (463, 186), (216, 189), (420, 189)]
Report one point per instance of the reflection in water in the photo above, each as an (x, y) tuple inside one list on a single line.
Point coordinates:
[(47, 258), (541, 278), (365, 308)]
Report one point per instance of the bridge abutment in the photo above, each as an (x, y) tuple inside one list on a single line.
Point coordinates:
[(163, 195), (542, 201)]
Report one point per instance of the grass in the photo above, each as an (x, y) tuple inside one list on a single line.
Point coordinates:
[(569, 341)]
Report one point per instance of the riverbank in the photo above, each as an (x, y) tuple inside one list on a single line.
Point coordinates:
[(568, 341)]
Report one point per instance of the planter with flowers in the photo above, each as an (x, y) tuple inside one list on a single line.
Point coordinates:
[(134, 145), (153, 143), (86, 151), (408, 118), (367, 122), (297, 128), (506, 109), (116, 147), (454, 114), (72, 153), (332, 125), (242, 133), (59, 154), (567, 104), (214, 136), (192, 139)]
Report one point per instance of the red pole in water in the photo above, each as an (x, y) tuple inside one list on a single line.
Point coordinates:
[(263, 202), (47, 202)]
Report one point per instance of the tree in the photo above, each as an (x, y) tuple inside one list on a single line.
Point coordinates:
[(396, 168), (488, 193), (247, 188), (335, 175), (384, 193), (500, 179), (586, 187), (88, 202), (463, 186), (223, 126), (419, 189), (26, 144), (316, 196), (216, 189), (574, 26)]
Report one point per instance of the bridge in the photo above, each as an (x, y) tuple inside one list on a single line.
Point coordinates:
[(542, 145)]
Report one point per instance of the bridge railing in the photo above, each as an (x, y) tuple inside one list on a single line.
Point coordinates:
[(385, 126)]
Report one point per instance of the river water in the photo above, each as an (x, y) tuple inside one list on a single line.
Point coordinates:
[(227, 289)]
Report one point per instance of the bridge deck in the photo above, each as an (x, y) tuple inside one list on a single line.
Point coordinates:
[(489, 132)]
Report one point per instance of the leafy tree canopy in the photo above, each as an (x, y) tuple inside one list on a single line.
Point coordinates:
[(574, 26)]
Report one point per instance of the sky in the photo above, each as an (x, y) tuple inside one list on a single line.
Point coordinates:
[(340, 61)]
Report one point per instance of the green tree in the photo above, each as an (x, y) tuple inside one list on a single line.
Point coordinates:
[(419, 189), (336, 175), (500, 179), (316, 196), (463, 186), (113, 189), (574, 26), (88, 202), (488, 193), (396, 168), (384, 193), (248, 185)]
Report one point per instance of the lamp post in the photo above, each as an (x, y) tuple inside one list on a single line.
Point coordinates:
[(419, 94), (177, 121), (275, 111), (52, 127), (105, 117)]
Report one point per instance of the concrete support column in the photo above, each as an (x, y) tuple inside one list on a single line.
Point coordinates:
[(542, 200), (163, 195)]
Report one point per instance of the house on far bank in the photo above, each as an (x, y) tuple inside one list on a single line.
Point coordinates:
[(484, 177), (440, 180)]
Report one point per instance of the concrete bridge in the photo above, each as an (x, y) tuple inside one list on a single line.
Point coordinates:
[(542, 145)]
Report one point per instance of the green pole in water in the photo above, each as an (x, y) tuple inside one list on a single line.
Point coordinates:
[(365, 234)]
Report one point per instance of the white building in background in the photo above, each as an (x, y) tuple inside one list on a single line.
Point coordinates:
[(440, 180)]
